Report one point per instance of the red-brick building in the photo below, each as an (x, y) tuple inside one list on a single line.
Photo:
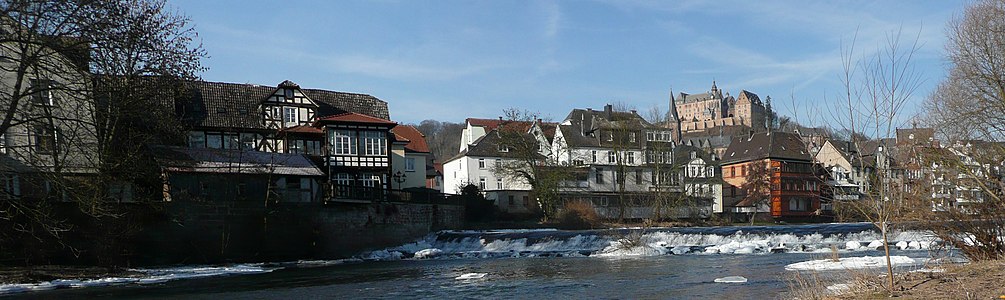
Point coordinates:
[(793, 189)]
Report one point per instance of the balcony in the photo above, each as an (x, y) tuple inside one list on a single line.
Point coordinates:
[(361, 194)]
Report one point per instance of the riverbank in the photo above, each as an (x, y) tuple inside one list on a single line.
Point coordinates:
[(976, 280)]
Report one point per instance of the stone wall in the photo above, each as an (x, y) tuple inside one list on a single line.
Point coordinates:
[(213, 232)]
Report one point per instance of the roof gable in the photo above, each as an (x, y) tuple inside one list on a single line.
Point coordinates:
[(416, 140)]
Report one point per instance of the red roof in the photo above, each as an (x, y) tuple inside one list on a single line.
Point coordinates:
[(356, 118), (302, 129), (416, 141)]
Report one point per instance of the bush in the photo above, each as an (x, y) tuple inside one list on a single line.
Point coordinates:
[(577, 215)]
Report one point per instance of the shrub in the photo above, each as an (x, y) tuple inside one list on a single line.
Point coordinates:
[(577, 215)]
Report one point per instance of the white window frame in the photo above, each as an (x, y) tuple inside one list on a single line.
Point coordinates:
[(410, 164), (374, 143), (343, 142), (481, 164), (290, 116)]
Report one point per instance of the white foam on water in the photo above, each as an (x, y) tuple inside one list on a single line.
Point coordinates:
[(653, 243), (150, 276), (850, 263), (731, 279), (471, 276), (428, 253)]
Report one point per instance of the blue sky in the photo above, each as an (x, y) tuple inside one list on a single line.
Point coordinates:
[(449, 60)]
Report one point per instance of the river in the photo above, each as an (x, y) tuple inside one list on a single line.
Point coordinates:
[(669, 263)]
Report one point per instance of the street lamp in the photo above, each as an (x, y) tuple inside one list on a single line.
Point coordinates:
[(399, 178)]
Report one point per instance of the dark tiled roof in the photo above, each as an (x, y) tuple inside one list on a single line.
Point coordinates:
[(592, 122), (774, 145), (488, 146), (682, 155), (750, 96), (237, 105), (915, 136), (352, 117)]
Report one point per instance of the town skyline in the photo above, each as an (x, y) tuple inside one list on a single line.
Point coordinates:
[(477, 59)]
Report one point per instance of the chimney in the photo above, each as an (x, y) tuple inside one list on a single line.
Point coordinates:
[(500, 118), (609, 111), (589, 109), (635, 112)]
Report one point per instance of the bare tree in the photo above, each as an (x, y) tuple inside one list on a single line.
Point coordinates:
[(82, 89), (756, 186), (968, 109), (877, 89), (528, 160)]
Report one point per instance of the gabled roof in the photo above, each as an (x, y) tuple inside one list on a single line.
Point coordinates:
[(416, 140), (222, 161), (488, 146), (237, 105), (489, 124), (744, 94), (591, 122), (351, 117), (774, 145)]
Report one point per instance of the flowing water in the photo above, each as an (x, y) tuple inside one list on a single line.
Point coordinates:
[(746, 262)]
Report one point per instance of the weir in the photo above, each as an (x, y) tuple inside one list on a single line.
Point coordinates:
[(652, 242)]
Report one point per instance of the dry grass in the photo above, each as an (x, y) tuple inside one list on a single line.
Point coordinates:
[(578, 215), (978, 280)]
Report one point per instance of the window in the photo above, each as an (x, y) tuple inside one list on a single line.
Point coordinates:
[(526, 201), (370, 181), (343, 142), (631, 157), (499, 183), (797, 205), (3, 143), (342, 183), (503, 148), (732, 171), (611, 157), (594, 155), (599, 176), (42, 92), (375, 143), (631, 137), (45, 139), (289, 116), (197, 139), (231, 141), (638, 176), (481, 183), (498, 163), (481, 163), (710, 171), (11, 184), (214, 140), (512, 201), (577, 162), (410, 164), (248, 141)]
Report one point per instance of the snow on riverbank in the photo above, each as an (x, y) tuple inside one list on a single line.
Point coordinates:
[(850, 263), (150, 276)]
